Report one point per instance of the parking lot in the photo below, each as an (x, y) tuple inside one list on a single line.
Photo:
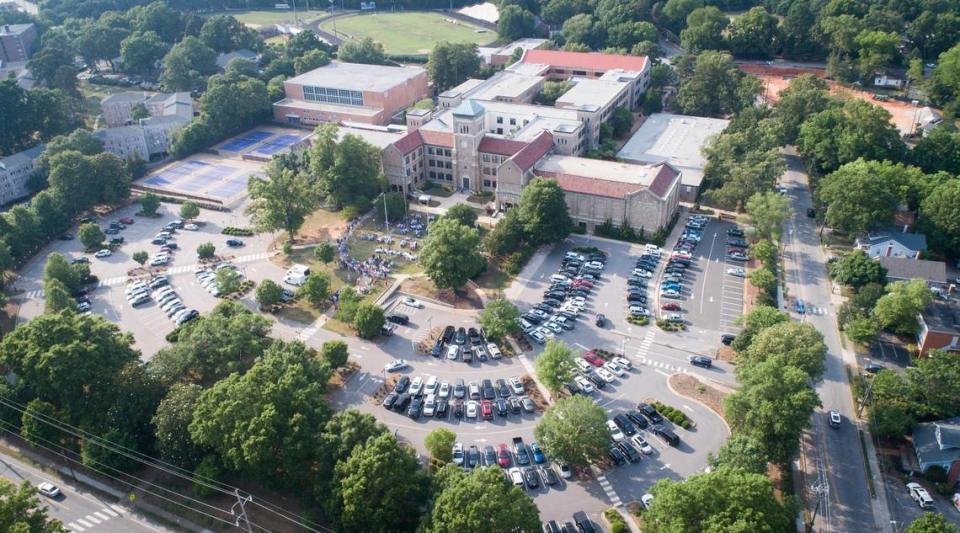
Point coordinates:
[(148, 323)]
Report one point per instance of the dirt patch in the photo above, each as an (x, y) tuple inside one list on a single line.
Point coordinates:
[(342, 375), (385, 388), (725, 353), (426, 343), (321, 226), (691, 387), (533, 392), (8, 317), (466, 298)]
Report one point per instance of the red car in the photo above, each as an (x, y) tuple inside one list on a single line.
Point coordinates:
[(486, 410), (126, 220), (582, 282), (503, 456), (670, 306), (593, 359)]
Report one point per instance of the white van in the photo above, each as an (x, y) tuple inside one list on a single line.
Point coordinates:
[(297, 275)]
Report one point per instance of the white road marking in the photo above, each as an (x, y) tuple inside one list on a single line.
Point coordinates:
[(84, 523), (101, 516), (75, 527)]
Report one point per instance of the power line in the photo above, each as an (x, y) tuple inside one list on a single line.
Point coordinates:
[(162, 466)]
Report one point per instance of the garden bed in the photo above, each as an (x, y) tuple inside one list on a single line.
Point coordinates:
[(691, 387), (678, 417), (467, 298)]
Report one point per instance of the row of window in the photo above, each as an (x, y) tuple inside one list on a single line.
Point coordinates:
[(332, 96), (440, 176), (439, 151), (439, 164)]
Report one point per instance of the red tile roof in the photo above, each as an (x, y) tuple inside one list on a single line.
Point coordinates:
[(507, 147), (666, 176), (437, 138), (584, 60), (594, 186), (408, 142), (532, 153)]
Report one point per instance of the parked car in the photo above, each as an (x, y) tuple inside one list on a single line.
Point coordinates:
[(396, 365), (701, 361)]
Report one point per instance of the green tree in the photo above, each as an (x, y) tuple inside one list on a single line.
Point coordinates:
[(515, 23), (311, 60), (551, 91), (392, 208), (227, 340), (140, 257), (141, 51), (282, 201), (890, 405), (499, 318), (741, 451), (463, 214), (450, 64), (932, 523), (744, 160), (675, 12), (302, 42), (206, 250), (325, 252), (863, 195), (223, 33), (543, 210), (758, 319), (715, 86), (941, 217), (481, 501), (861, 330), (22, 510), (796, 344), (189, 210), (898, 309), (228, 281), (876, 49), (440, 444), (57, 268), (768, 211), (368, 320), (626, 35), (857, 269), (269, 293), (574, 430), (187, 65), (264, 423), (705, 30), (344, 432), (316, 288), (764, 279), (507, 236), (583, 29), (622, 121), (806, 95), (347, 172), (555, 365), (846, 132), (755, 34), (91, 236), (95, 453), (149, 203), (335, 353), (70, 173), (938, 151), (34, 426), (935, 396), (725, 499), (380, 487), (69, 360), (172, 422), (451, 254), (56, 296), (365, 50), (192, 138), (773, 404), (233, 102), (347, 304)]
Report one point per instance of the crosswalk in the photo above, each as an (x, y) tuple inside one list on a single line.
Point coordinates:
[(608, 490), (95, 518), (37, 294), (667, 367), (640, 355)]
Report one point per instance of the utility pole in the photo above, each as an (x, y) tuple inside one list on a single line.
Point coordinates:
[(821, 490), (242, 516)]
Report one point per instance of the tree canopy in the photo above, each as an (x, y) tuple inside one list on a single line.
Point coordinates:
[(481, 501), (574, 430), (451, 254), (555, 365), (846, 132)]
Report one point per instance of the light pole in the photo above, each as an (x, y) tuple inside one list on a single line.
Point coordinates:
[(821, 490)]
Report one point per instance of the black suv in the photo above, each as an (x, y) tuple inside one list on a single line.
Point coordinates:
[(650, 412), (398, 318), (701, 361), (625, 425), (448, 333), (402, 384)]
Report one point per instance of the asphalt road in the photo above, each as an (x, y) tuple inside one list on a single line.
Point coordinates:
[(78, 509), (845, 500)]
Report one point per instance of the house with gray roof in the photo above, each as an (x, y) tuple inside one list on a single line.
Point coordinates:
[(906, 269), (891, 242), (938, 444)]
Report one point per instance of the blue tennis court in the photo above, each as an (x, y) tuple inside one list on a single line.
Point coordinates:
[(275, 145), (239, 144), (222, 182)]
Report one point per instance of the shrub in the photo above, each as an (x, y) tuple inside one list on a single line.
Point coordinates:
[(206, 250), (237, 232), (672, 414), (617, 523)]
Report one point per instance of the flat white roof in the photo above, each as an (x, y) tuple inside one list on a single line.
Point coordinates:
[(530, 69), (463, 88), (505, 85), (559, 125), (357, 77), (598, 168), (675, 139), (379, 138), (591, 93)]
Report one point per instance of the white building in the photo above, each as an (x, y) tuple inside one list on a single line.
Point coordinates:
[(117, 108), (125, 142), (15, 172)]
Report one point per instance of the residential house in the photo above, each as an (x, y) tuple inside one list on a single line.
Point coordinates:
[(892, 243), (938, 444), (939, 327)]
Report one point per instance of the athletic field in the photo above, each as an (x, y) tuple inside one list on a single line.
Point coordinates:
[(266, 17), (408, 33)]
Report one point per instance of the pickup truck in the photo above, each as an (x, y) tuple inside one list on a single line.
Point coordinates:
[(520, 450)]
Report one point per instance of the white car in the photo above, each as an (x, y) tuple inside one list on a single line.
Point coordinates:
[(48, 489), (547, 334), (584, 384), (430, 387), (647, 500), (472, 407), (615, 432), (623, 362), (452, 352), (606, 375), (444, 391), (395, 365), (614, 368), (738, 272), (636, 310), (416, 386), (642, 273), (103, 253), (458, 454), (412, 302), (191, 227), (674, 317), (516, 477), (554, 327), (595, 264), (581, 363), (430, 405), (516, 386), (494, 351), (641, 444)]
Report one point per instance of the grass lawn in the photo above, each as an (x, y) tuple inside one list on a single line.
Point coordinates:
[(409, 33), (266, 17)]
